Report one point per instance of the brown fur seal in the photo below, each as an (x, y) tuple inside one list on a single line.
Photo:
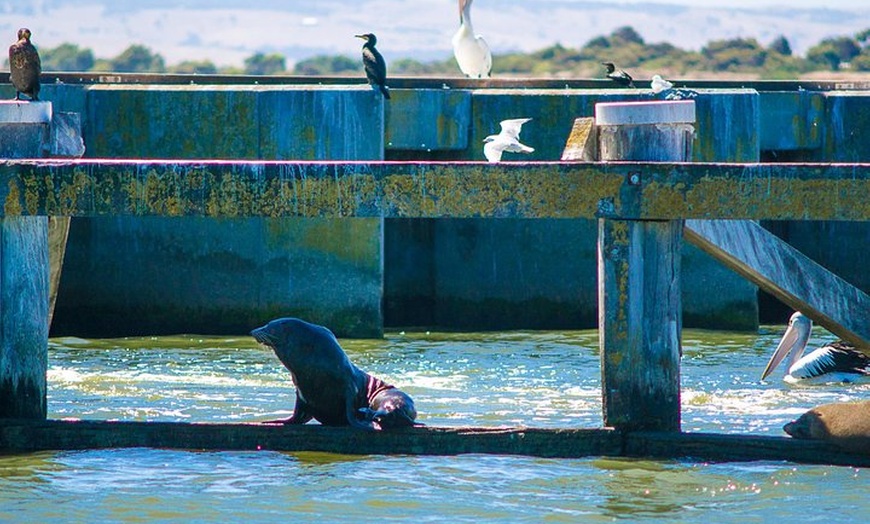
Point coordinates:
[(24, 66), (845, 424), (329, 388)]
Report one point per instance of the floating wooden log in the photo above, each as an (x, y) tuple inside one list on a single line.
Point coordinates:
[(58, 435)]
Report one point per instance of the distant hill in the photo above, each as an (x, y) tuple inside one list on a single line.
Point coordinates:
[(228, 31)]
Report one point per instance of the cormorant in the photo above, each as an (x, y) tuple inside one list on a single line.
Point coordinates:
[(376, 68), (24, 66), (471, 51), (618, 75), (507, 140)]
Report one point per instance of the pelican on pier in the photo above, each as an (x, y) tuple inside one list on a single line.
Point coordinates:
[(835, 362), (471, 51)]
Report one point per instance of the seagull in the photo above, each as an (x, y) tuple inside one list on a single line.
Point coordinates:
[(471, 52), (835, 362), (507, 140), (661, 88), (24, 66), (375, 66), (618, 75), (659, 84)]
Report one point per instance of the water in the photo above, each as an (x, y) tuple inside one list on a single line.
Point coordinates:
[(542, 379)]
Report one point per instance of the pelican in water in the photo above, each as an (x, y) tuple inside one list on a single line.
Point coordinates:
[(471, 52), (835, 362), (507, 140)]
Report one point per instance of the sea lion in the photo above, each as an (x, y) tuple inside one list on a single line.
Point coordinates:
[(329, 387), (846, 425)]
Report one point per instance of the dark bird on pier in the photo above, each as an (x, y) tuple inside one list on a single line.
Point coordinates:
[(835, 362), (375, 66), (618, 75), (24, 66)]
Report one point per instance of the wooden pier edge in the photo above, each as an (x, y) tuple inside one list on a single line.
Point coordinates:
[(22, 436)]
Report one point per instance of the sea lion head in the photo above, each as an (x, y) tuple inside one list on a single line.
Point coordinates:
[(810, 425), (292, 338)]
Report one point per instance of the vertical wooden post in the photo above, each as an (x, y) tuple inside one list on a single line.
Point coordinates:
[(24, 272), (639, 303)]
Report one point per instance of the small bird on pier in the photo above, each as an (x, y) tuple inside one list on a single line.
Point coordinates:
[(471, 51), (24, 66), (659, 84), (507, 140), (375, 66), (661, 88), (618, 75), (835, 362)]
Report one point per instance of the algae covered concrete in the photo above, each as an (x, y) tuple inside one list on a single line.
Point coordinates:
[(427, 279), (482, 278), (152, 275)]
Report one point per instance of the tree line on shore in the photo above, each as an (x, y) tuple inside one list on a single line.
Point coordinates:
[(624, 46)]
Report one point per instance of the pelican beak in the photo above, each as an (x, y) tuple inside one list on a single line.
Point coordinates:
[(793, 339)]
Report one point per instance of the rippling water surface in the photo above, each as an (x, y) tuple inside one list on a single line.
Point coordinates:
[(542, 379)]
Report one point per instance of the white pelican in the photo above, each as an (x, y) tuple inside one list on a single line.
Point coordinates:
[(471, 52), (507, 140), (835, 362), (659, 84)]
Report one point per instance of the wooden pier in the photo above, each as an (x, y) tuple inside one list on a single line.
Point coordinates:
[(641, 205)]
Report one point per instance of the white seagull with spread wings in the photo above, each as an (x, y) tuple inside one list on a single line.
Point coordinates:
[(507, 140)]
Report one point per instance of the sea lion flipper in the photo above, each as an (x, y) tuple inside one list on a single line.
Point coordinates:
[(352, 418), (301, 412)]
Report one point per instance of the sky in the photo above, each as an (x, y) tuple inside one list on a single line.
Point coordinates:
[(228, 31)]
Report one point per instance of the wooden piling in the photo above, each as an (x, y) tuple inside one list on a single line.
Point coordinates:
[(640, 309), (24, 274)]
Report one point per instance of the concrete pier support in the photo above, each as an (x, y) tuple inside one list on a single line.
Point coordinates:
[(640, 309), (24, 273)]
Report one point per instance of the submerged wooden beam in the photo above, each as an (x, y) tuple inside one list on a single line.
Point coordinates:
[(626, 190), (26, 435), (787, 274), (40, 435)]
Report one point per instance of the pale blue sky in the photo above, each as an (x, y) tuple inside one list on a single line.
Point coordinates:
[(801, 4)]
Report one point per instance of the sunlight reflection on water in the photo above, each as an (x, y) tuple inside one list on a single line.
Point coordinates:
[(546, 379)]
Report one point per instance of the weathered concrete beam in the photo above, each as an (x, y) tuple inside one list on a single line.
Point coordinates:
[(631, 190)]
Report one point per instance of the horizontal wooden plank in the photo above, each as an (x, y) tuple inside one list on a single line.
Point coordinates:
[(646, 191), (418, 82), (713, 447), (32, 435), (35, 435), (786, 273)]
